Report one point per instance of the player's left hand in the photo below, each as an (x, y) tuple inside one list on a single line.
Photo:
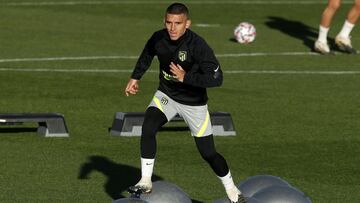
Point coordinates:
[(178, 71)]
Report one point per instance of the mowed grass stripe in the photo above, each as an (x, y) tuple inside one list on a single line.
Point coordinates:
[(229, 55), (289, 72), (70, 3)]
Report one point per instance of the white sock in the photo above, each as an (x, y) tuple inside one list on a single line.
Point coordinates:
[(346, 29), (147, 166), (323, 33), (227, 181)]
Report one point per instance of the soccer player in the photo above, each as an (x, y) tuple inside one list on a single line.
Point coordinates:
[(342, 40), (187, 67)]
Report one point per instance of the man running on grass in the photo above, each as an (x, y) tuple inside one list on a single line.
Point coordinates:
[(187, 67)]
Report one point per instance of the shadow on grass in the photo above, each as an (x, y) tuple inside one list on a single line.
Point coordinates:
[(17, 130), (296, 29), (119, 176)]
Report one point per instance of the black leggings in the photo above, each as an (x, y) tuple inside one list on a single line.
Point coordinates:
[(155, 119)]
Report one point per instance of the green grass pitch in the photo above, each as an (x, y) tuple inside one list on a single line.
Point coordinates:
[(296, 113)]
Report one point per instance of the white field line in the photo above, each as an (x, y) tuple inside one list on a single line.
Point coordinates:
[(206, 25), (67, 58), (277, 72), (68, 70), (71, 3), (292, 72), (267, 54), (2, 121), (75, 58)]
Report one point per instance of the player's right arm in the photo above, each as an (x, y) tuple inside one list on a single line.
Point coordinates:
[(145, 58), (141, 67), (132, 87)]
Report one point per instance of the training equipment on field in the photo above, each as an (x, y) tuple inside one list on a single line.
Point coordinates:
[(245, 33), (226, 200), (281, 194), (49, 124), (268, 189), (129, 200), (129, 123), (254, 184), (165, 192)]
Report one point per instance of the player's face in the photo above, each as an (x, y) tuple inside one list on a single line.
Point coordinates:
[(176, 25)]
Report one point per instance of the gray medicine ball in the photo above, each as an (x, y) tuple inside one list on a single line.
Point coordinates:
[(165, 192), (283, 194), (129, 200), (226, 200), (254, 184)]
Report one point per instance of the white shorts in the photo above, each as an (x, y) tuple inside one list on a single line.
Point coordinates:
[(196, 117)]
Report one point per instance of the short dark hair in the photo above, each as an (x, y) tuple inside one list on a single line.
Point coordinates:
[(177, 8)]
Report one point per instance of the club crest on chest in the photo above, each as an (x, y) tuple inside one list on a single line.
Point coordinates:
[(182, 55)]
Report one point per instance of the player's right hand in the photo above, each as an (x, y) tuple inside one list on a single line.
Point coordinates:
[(132, 87)]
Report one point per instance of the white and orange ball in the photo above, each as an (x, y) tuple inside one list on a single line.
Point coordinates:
[(245, 33)]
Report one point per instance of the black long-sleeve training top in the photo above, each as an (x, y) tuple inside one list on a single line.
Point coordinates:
[(193, 54)]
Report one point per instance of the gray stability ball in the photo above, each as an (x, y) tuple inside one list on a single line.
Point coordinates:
[(254, 184), (129, 200), (248, 200), (281, 194), (165, 192)]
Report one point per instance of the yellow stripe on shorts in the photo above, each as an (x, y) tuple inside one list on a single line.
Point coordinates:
[(204, 125), (158, 104)]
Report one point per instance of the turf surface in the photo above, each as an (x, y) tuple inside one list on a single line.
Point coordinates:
[(296, 113)]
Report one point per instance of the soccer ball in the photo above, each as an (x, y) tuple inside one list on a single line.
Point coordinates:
[(245, 33)]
